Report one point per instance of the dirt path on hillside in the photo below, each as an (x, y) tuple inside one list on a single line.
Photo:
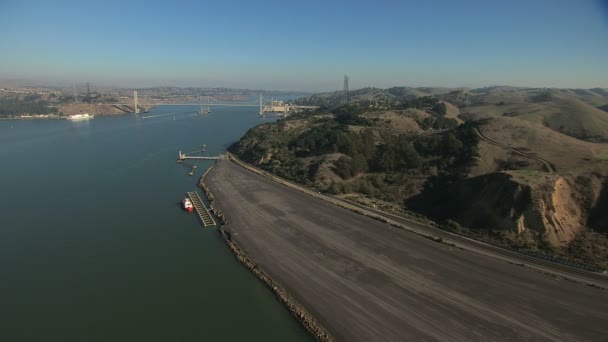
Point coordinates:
[(548, 166)]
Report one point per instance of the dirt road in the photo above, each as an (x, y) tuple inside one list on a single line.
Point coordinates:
[(549, 167), (366, 281)]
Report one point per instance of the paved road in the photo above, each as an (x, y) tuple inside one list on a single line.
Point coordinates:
[(366, 281)]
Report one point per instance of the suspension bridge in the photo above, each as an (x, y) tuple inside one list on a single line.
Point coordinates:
[(271, 107)]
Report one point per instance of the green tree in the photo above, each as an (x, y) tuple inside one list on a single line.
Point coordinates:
[(368, 143), (358, 164), (450, 145), (343, 167)]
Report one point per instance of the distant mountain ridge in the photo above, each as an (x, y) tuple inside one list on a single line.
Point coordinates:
[(402, 91)]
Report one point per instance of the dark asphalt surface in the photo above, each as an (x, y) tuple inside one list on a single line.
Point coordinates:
[(367, 281)]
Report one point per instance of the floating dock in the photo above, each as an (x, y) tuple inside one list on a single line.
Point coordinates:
[(201, 209)]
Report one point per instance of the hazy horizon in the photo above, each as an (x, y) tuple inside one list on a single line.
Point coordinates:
[(82, 85), (307, 47)]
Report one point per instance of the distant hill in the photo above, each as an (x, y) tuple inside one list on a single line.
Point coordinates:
[(420, 91), (573, 117), (336, 98), (573, 112), (580, 113)]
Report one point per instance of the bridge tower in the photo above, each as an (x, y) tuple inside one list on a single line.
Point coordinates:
[(135, 101)]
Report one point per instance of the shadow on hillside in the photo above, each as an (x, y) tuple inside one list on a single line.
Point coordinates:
[(598, 218)]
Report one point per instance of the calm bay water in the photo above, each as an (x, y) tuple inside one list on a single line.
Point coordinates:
[(94, 245)]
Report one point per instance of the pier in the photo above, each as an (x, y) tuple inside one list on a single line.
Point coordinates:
[(183, 156), (201, 209)]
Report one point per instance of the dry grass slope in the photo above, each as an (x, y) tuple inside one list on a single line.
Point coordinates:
[(568, 154), (565, 111)]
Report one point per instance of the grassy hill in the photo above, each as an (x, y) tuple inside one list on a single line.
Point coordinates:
[(566, 153)]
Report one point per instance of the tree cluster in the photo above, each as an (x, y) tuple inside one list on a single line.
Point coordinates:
[(444, 154)]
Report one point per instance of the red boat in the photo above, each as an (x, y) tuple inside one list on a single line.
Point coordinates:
[(187, 205)]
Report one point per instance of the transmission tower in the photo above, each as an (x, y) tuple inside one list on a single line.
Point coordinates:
[(88, 92), (346, 89), (75, 93)]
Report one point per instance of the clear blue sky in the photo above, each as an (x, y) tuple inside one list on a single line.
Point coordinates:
[(307, 45)]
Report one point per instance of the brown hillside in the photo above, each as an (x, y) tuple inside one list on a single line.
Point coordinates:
[(325, 175), (493, 158), (566, 111), (402, 121), (452, 111), (573, 117)]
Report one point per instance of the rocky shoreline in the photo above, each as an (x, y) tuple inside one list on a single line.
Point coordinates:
[(218, 213), (295, 308)]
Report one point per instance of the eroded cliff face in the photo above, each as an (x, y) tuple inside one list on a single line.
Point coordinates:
[(543, 204), (555, 211)]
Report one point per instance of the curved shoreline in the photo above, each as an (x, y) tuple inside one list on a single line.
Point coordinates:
[(357, 275), (296, 309), (591, 278)]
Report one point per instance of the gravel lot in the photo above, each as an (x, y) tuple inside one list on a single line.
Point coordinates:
[(367, 281)]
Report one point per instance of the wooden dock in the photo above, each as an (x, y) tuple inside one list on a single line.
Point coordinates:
[(201, 209)]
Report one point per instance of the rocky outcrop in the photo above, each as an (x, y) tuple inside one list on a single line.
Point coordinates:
[(209, 195), (540, 203), (555, 212)]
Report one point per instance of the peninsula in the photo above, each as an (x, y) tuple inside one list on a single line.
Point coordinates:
[(364, 280)]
